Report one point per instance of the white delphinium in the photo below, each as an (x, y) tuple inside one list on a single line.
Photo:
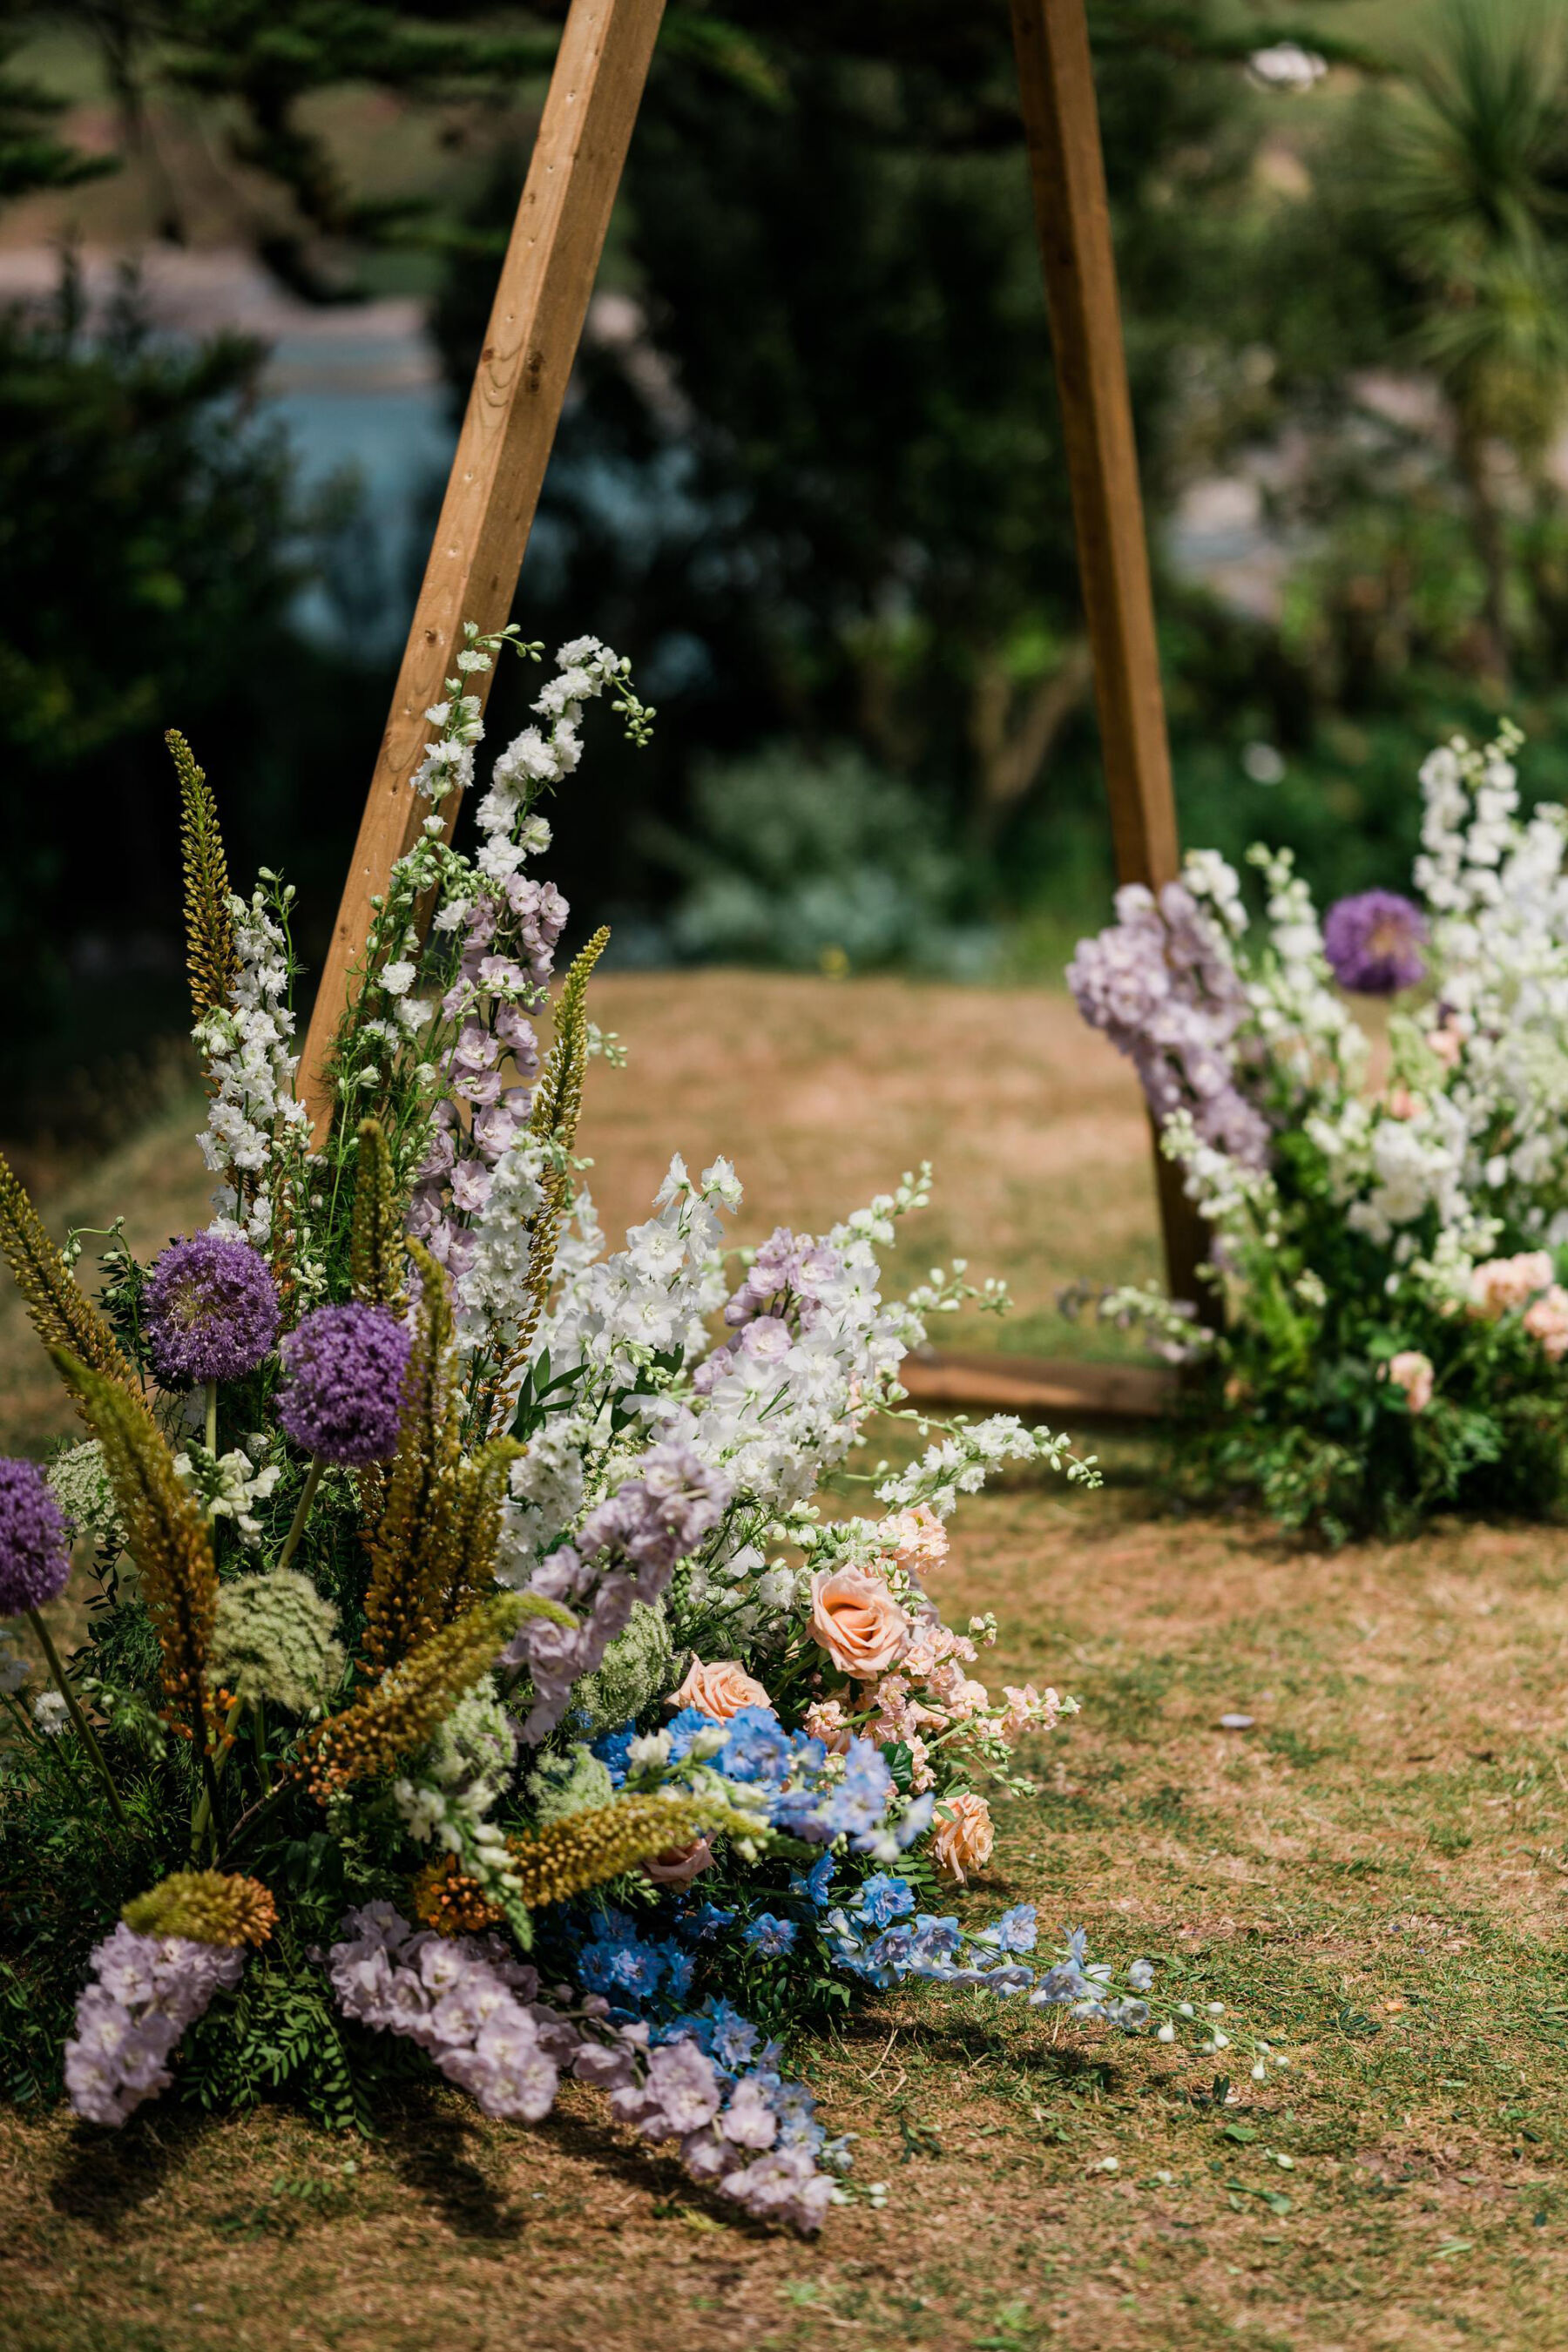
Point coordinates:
[(257, 1134), (490, 1294), (962, 1461), (1235, 1201), (1294, 1006)]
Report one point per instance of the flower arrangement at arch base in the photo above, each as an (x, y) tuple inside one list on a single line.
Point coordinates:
[(473, 1682), (1388, 1214)]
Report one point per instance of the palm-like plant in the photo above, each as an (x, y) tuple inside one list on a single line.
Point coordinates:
[(1475, 202)]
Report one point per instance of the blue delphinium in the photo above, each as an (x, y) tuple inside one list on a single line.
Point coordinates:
[(884, 1899), (815, 1886), (770, 1935)]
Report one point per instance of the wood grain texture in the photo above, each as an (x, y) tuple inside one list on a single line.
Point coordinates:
[(1072, 218), (1094, 1393), (507, 430)]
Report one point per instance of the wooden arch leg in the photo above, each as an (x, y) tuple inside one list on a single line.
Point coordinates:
[(1072, 216), (513, 409)]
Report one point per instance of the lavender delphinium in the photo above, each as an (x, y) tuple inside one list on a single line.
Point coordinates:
[(212, 1309), (625, 1551), (1373, 942), (346, 1369), (35, 1548), (1159, 984), (143, 1993), (478, 2014)]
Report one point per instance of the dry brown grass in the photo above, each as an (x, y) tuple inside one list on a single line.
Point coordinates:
[(1373, 1877)]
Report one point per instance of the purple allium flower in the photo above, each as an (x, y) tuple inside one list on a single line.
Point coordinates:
[(35, 1552), (346, 1368), (212, 1309), (1373, 942)]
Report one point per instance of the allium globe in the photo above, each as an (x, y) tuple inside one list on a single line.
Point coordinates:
[(346, 1368), (211, 1310), (1373, 942), (35, 1549)]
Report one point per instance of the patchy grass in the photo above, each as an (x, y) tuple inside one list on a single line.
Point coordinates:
[(1373, 1877)]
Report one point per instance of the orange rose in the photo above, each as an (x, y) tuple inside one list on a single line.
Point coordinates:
[(857, 1621), (720, 1689), (963, 1839)]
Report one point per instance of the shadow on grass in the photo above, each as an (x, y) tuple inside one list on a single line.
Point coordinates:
[(107, 2174), (430, 2146)]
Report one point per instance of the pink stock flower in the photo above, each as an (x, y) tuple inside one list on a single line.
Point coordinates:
[(919, 1538)]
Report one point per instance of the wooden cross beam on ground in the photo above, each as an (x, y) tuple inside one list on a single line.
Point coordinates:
[(508, 428)]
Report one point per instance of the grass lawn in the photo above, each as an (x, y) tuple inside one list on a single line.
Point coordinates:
[(1373, 1876)]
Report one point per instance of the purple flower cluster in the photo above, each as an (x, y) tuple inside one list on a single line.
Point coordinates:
[(1373, 942), (1158, 982), (462, 2000), (35, 1549), (789, 1286), (212, 1309), (508, 950), (625, 1551), (478, 2014), (749, 2135), (143, 1991), (346, 1368)]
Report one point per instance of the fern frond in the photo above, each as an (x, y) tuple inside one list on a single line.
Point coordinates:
[(212, 958), (413, 1551), (377, 1246), (408, 1705), (59, 1310), (165, 1534)]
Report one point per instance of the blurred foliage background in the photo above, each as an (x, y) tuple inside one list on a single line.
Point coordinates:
[(810, 473)]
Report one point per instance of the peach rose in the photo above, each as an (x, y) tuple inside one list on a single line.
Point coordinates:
[(680, 1865), (1412, 1371), (1447, 1045), (1403, 1104), (1546, 1320), (720, 1689), (857, 1621), (963, 1839)]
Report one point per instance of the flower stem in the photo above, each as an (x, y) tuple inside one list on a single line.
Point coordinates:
[(302, 1511), (89, 1736), (212, 1418)]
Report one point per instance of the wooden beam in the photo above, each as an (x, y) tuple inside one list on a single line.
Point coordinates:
[(1072, 217), (493, 489), (1072, 1392)]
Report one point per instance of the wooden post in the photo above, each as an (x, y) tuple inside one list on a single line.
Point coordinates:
[(513, 409), (1072, 217)]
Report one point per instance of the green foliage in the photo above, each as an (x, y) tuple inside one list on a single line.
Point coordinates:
[(812, 864), (278, 2032)]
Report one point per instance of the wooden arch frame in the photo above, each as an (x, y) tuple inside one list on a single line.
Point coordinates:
[(519, 383)]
